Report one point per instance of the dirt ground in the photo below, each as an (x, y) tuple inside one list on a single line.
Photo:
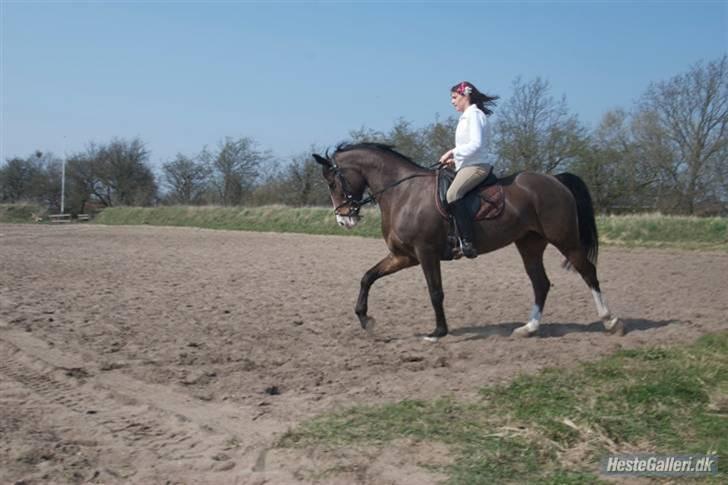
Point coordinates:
[(180, 355)]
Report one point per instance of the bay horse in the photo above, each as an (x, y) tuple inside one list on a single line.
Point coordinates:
[(539, 209)]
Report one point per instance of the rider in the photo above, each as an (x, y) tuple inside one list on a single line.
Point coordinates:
[(469, 156)]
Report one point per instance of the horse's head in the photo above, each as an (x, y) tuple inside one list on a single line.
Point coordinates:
[(346, 187)]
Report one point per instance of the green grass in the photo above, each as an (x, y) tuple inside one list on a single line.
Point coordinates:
[(648, 230), (19, 213), (655, 230), (277, 218), (556, 426)]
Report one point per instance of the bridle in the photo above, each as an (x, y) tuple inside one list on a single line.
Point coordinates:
[(356, 205)]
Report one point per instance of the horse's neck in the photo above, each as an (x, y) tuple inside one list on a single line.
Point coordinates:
[(383, 172), (382, 175)]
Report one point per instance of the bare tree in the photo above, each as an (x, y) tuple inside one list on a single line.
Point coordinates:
[(114, 174), (17, 177), (535, 131), (187, 179), (423, 145), (303, 182), (235, 167), (609, 165), (47, 187), (409, 141), (368, 135), (123, 170), (438, 137), (406, 139), (682, 128), (36, 178)]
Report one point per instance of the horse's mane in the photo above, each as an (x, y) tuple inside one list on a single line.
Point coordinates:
[(382, 147)]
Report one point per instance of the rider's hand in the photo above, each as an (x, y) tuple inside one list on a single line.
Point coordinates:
[(447, 158)]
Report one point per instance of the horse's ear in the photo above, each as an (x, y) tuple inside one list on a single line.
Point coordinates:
[(323, 161)]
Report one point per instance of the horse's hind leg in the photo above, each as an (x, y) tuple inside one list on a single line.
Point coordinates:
[(390, 264), (531, 248), (579, 261)]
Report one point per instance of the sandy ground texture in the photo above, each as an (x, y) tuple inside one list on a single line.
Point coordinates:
[(180, 355)]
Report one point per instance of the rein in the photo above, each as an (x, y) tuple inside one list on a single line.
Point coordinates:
[(356, 205)]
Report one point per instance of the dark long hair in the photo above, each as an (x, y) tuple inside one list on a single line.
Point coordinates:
[(481, 100)]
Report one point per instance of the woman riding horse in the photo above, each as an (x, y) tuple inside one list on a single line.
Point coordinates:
[(540, 210), (469, 157)]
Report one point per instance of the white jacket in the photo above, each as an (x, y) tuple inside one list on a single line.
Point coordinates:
[(471, 138)]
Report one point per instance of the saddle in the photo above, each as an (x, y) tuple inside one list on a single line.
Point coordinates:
[(486, 201)]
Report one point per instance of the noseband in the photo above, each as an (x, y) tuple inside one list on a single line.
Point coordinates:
[(354, 204)]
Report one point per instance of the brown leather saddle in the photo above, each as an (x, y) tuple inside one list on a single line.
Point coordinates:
[(486, 201)]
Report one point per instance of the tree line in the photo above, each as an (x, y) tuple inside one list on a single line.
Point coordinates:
[(667, 153)]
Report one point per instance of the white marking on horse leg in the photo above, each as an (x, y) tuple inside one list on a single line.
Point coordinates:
[(601, 303), (430, 339), (532, 325), (535, 319), (603, 311), (611, 326)]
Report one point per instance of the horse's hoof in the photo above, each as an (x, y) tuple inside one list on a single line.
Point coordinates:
[(615, 327), (436, 335), (523, 332), (369, 325)]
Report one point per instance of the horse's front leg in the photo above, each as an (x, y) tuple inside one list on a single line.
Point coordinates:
[(390, 264), (430, 261)]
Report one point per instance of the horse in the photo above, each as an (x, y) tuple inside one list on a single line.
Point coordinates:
[(540, 209)]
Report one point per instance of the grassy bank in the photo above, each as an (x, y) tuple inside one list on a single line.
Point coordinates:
[(655, 230), (277, 218), (20, 213), (650, 230), (556, 426)]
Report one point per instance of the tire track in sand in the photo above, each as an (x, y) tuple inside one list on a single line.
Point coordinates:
[(176, 432)]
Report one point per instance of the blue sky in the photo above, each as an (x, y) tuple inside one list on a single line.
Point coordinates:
[(182, 75)]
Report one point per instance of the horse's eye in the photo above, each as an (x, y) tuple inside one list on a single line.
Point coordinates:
[(332, 185)]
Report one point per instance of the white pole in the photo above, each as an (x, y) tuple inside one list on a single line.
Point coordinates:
[(63, 186), (63, 174)]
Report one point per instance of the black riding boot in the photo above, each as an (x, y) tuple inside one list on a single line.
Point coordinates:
[(465, 228)]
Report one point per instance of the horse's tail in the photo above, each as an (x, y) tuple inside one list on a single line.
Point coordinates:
[(585, 212)]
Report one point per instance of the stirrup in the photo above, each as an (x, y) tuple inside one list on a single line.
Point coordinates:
[(468, 250), (452, 249)]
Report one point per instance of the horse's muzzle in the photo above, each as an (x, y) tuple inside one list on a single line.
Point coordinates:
[(347, 221)]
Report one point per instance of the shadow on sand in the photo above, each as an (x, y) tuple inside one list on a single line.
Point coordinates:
[(556, 329)]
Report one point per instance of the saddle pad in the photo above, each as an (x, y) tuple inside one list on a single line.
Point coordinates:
[(486, 201), (492, 202)]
